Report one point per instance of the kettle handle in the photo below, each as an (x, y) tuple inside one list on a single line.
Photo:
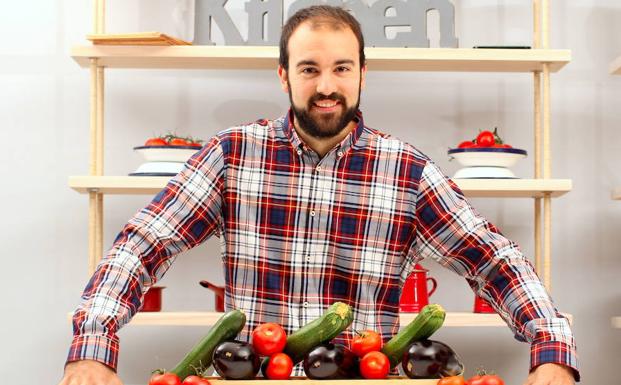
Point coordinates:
[(434, 286)]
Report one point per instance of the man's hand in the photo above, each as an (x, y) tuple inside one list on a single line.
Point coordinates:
[(89, 372), (551, 374)]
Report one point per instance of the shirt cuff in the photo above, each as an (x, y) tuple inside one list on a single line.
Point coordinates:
[(554, 352), (99, 348)]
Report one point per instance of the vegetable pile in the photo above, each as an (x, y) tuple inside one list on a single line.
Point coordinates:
[(274, 353), (485, 139), (173, 140)]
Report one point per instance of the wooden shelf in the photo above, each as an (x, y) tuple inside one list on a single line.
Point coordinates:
[(474, 188), (616, 322), (615, 66), (453, 319), (378, 58), (616, 194), (390, 380)]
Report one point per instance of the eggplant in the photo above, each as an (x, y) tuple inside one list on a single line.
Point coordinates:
[(331, 361), (236, 360), (431, 359)]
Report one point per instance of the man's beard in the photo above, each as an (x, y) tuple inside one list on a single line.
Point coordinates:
[(327, 125)]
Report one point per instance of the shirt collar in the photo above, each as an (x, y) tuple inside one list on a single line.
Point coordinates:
[(344, 145)]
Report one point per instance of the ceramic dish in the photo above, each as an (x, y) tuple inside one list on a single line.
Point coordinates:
[(166, 153), (158, 169), (487, 163), (489, 157)]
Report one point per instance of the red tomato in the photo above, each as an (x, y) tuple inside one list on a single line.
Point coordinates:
[(156, 142), (466, 144), (196, 144), (486, 139), (365, 342), (178, 142), (452, 380), (374, 365), (486, 379), (269, 338), (195, 380), (279, 367), (164, 379)]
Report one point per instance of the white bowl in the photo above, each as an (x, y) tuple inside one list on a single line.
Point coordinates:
[(158, 169), (166, 153), (488, 157)]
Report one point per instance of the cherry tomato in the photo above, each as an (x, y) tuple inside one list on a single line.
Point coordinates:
[(164, 379), (466, 144), (195, 380), (486, 379), (374, 365), (178, 142), (269, 338), (486, 139), (156, 142), (452, 380), (365, 342), (279, 367), (196, 144)]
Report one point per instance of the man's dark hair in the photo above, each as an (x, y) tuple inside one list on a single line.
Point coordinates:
[(336, 17)]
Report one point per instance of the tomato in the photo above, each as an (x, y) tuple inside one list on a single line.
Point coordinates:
[(279, 367), (156, 142), (195, 380), (486, 379), (164, 379), (196, 144), (466, 144), (486, 139), (374, 365), (178, 142), (365, 342), (452, 380), (269, 338)]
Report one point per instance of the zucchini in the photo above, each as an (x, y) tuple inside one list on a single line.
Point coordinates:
[(337, 318), (200, 357), (430, 319)]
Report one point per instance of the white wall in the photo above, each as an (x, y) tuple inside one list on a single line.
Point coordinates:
[(44, 112)]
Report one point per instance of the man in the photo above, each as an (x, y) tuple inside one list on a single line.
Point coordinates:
[(314, 208)]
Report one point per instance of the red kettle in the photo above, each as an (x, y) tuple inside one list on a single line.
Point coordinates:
[(219, 294), (414, 294)]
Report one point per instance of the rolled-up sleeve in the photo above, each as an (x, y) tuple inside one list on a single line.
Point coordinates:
[(453, 234), (183, 215)]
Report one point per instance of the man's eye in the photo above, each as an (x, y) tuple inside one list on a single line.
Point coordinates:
[(308, 70), (342, 69)]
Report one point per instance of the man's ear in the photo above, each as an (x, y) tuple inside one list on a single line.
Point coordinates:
[(363, 76), (282, 75)]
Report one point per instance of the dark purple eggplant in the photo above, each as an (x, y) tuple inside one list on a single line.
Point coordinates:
[(331, 361), (431, 359), (236, 360)]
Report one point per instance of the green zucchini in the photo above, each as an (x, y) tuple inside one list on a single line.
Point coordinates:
[(200, 357), (430, 319), (337, 318)]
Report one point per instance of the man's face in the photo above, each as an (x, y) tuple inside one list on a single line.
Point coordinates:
[(324, 78)]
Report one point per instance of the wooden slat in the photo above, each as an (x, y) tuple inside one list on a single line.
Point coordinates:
[(306, 381), (378, 58), (474, 188)]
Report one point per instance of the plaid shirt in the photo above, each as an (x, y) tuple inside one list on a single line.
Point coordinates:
[(299, 232)]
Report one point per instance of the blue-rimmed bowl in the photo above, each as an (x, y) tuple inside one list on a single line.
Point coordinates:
[(487, 156), (166, 153)]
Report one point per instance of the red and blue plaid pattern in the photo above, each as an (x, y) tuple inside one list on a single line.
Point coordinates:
[(300, 232)]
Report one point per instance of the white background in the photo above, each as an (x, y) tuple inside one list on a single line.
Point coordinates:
[(44, 112)]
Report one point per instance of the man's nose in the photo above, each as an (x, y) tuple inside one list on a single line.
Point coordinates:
[(326, 84)]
